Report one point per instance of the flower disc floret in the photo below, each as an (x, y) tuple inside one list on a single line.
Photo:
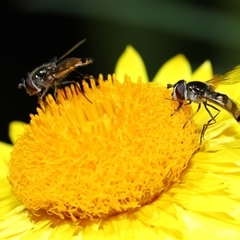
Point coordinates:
[(82, 159)]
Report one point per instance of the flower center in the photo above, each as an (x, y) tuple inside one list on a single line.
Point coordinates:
[(82, 159)]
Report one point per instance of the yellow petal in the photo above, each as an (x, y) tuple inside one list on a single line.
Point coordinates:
[(131, 63), (173, 70), (196, 226), (16, 224), (204, 72), (5, 150), (7, 199), (15, 130), (203, 205), (231, 90), (222, 135)]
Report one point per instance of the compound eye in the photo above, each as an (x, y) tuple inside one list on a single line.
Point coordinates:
[(30, 87), (180, 91)]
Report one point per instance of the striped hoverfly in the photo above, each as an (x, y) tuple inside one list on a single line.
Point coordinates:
[(53, 74), (204, 93)]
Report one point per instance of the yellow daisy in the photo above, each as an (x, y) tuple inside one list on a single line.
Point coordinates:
[(114, 169)]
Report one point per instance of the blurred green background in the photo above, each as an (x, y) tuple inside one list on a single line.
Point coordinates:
[(32, 32)]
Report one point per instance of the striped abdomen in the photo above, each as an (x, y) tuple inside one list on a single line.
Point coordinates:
[(225, 102)]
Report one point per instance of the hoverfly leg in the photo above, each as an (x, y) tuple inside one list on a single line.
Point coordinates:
[(81, 91), (205, 126), (170, 99), (78, 85), (189, 102), (81, 74), (199, 106), (87, 78), (41, 95), (55, 93), (178, 108)]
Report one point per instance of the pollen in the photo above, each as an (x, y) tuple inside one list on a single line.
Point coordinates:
[(82, 159)]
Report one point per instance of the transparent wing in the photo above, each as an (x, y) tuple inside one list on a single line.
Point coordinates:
[(229, 77), (71, 49)]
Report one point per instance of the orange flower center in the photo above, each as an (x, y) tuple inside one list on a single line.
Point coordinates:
[(87, 160)]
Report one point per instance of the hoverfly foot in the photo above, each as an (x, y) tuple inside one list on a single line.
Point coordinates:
[(82, 92), (56, 99)]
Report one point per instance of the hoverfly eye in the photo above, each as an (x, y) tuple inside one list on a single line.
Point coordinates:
[(179, 92), (30, 87)]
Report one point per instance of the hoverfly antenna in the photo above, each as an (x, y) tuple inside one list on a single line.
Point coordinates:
[(169, 85), (20, 85), (71, 49)]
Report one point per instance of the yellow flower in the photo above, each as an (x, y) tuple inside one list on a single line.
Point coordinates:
[(201, 202)]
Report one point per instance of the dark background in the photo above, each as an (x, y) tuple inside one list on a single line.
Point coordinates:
[(32, 32)]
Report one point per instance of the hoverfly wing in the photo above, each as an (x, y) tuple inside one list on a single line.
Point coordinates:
[(230, 77), (71, 49), (74, 62), (68, 65)]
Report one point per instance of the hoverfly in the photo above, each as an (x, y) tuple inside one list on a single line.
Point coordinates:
[(204, 93), (53, 74)]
